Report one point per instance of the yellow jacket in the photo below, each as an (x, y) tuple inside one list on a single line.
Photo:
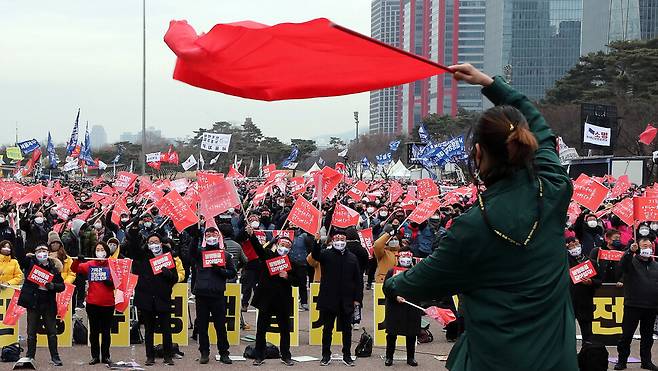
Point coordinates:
[(386, 258), (67, 274), (10, 271), (179, 269)]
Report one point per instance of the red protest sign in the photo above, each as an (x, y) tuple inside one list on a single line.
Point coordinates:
[(63, 299), (330, 179), (614, 255), (120, 270), (409, 203), (267, 169), (175, 207), (426, 188), (367, 240), (296, 185), (284, 233), (122, 297), (305, 216), (205, 179), (582, 271), (278, 265), (588, 192), (14, 311), (218, 198), (395, 192), (624, 210), (356, 192), (423, 211), (124, 181), (622, 185), (645, 209), (215, 258), (119, 208), (162, 261), (344, 216), (651, 193), (40, 276)]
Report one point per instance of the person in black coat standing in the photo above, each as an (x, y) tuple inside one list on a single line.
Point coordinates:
[(153, 297), (39, 300), (273, 297), (640, 273), (209, 295), (341, 289), (401, 319), (582, 294)]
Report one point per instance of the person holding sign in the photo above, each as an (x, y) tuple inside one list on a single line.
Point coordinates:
[(582, 294), (214, 266), (38, 293), (153, 293), (273, 295), (100, 302), (501, 254), (640, 272), (10, 270)]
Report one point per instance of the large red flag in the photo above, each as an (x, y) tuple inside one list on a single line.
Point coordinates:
[(205, 179), (648, 135), (173, 206), (588, 192), (426, 188), (306, 216), (356, 192), (645, 209), (423, 211), (624, 210), (217, 199), (289, 60), (344, 216), (395, 192)]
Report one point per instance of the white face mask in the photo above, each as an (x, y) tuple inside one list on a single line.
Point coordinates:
[(5, 251), (646, 253), (98, 225), (231, 210), (255, 224), (124, 220), (282, 250), (592, 223), (101, 254), (383, 214), (212, 241), (654, 226), (644, 231), (405, 262), (38, 220), (2, 219), (113, 247), (339, 245), (370, 210), (394, 243), (435, 217), (155, 248), (575, 251), (147, 224), (42, 256)]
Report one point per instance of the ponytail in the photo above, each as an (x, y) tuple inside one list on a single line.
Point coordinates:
[(521, 146)]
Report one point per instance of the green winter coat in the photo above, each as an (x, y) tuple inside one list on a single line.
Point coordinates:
[(515, 300)]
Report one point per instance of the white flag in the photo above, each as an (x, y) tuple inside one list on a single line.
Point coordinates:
[(202, 162), (215, 142), (343, 153), (72, 165), (153, 157), (101, 165), (597, 135), (191, 161), (214, 160)]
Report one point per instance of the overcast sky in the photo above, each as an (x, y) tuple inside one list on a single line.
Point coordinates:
[(61, 55)]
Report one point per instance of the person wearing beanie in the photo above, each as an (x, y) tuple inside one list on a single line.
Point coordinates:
[(385, 251), (57, 251), (39, 300), (100, 301), (115, 248), (80, 239), (10, 270)]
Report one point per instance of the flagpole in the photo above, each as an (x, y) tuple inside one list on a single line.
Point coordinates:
[(143, 87)]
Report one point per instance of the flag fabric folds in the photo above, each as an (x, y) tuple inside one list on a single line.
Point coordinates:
[(648, 135)]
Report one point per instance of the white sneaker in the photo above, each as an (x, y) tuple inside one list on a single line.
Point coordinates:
[(356, 327)]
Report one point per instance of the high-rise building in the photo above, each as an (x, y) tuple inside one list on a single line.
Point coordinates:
[(98, 136), (385, 26), (648, 19)]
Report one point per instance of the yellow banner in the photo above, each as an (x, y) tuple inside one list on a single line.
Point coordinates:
[(380, 316), (14, 153), (273, 331), (179, 317), (315, 326), (232, 295), (64, 332), (8, 334)]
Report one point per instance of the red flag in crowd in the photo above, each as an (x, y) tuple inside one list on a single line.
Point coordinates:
[(344, 216), (330, 180), (306, 216), (426, 188), (588, 192), (624, 210), (124, 181), (218, 198), (63, 299), (367, 240), (252, 60), (119, 208), (34, 197), (648, 135), (170, 157), (14, 311), (155, 165), (621, 186), (423, 211), (395, 192), (85, 214), (233, 174), (356, 192), (296, 185), (267, 169), (173, 206), (645, 209), (206, 179)]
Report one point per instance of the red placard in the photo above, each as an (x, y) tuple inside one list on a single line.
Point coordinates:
[(297, 185), (651, 193), (205, 179), (423, 211), (40, 276), (278, 265), (588, 192), (614, 255), (124, 181), (215, 258), (409, 202), (119, 270), (175, 207), (356, 192), (162, 261), (122, 297), (344, 217), (645, 209), (287, 233), (218, 198), (63, 299), (395, 191), (305, 216), (366, 238), (582, 271), (14, 311), (426, 188), (624, 210), (267, 169), (330, 179), (621, 186)]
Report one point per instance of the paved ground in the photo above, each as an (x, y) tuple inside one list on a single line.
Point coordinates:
[(76, 358)]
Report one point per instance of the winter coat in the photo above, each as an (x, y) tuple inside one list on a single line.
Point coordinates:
[(81, 243), (211, 282), (301, 247), (640, 281), (272, 292), (515, 299), (386, 258), (99, 293), (354, 246), (6, 233), (153, 292), (607, 271), (401, 319), (582, 295), (10, 271), (32, 297), (35, 234), (342, 282)]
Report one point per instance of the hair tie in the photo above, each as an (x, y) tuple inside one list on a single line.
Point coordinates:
[(511, 127)]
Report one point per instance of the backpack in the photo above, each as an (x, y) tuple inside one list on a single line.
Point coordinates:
[(11, 353), (364, 348), (271, 351), (593, 357), (80, 333), (135, 333), (425, 335)]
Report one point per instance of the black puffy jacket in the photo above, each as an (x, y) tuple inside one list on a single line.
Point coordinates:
[(640, 281)]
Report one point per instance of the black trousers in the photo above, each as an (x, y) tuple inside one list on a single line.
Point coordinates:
[(345, 322), (34, 321), (371, 269), (79, 293), (585, 329), (205, 308), (390, 345), (248, 281), (283, 321), (301, 277), (162, 320), (100, 324), (632, 316)]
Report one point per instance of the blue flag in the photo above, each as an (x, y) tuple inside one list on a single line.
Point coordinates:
[(393, 146), (120, 150), (74, 136), (294, 152), (28, 146), (321, 161), (384, 158), (423, 134), (85, 150), (365, 162), (52, 155), (439, 153)]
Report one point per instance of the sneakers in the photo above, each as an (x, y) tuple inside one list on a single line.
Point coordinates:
[(412, 362), (56, 361), (325, 361), (94, 361), (225, 359), (388, 362), (287, 361), (347, 360), (620, 365), (356, 326), (204, 359), (258, 362), (168, 361), (649, 366), (150, 361), (107, 361)]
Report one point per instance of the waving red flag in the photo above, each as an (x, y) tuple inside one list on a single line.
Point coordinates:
[(426, 188), (306, 216), (648, 135), (588, 192), (289, 60), (173, 206), (624, 210), (423, 211), (218, 198), (344, 216), (356, 192), (233, 174), (395, 191), (621, 186)]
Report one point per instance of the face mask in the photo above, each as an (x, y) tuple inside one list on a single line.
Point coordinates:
[(134, 212), (281, 250), (101, 254), (339, 245), (383, 214), (212, 241), (5, 251), (129, 201), (370, 210), (644, 231), (113, 247), (654, 226), (282, 204), (231, 210), (147, 224), (646, 253), (592, 223), (38, 220), (98, 225), (576, 251), (155, 248), (42, 256), (405, 262), (2, 219), (617, 244), (394, 243), (435, 217), (377, 202), (124, 220), (255, 224)]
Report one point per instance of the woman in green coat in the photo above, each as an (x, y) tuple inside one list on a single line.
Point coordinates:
[(505, 255)]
